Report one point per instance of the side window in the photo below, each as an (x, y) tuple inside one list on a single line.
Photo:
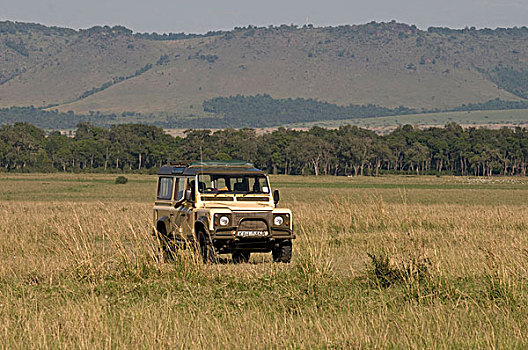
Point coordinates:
[(180, 186), (191, 186), (165, 188)]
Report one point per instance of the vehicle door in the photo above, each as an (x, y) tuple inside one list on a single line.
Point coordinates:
[(164, 197), (184, 209)]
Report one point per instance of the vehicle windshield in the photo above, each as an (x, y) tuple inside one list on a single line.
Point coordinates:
[(233, 183)]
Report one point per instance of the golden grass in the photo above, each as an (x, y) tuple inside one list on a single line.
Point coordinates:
[(84, 272)]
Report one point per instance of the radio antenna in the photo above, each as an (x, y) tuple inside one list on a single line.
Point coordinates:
[(201, 158)]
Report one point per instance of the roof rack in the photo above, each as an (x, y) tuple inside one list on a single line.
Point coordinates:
[(187, 167), (221, 163), (184, 163), (210, 163)]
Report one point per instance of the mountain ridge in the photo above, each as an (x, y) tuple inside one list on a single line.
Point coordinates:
[(113, 70)]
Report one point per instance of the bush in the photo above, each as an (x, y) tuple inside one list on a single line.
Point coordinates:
[(121, 180), (386, 273), (382, 271)]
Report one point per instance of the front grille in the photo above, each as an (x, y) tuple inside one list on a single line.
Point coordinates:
[(253, 225), (254, 215), (218, 199), (252, 199)]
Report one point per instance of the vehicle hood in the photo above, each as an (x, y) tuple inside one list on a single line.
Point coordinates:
[(239, 206)]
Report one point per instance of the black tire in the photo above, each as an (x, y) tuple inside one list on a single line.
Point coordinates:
[(241, 257), (207, 250), (166, 244), (168, 251), (282, 253)]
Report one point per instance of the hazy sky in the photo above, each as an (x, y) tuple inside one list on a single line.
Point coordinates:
[(205, 15)]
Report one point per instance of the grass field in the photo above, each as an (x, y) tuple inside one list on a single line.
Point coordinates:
[(397, 262)]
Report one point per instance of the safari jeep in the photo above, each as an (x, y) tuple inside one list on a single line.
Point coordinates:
[(221, 208)]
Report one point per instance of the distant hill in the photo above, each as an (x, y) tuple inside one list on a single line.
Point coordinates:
[(392, 66)]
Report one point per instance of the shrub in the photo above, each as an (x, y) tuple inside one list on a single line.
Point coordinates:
[(382, 270), (386, 273), (121, 180)]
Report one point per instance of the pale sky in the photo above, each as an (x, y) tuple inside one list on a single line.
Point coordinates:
[(198, 16)]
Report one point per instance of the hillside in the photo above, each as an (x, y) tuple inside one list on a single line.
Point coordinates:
[(112, 70)]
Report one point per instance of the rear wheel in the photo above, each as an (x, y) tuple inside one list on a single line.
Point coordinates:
[(241, 257), (283, 252)]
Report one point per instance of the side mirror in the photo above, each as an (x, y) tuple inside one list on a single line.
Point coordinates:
[(276, 196), (187, 195)]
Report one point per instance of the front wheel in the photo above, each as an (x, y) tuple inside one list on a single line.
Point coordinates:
[(166, 244), (207, 250), (283, 252)]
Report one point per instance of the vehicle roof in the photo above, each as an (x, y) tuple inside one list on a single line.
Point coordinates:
[(211, 166)]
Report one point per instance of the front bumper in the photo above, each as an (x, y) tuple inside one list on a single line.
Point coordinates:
[(224, 244), (231, 233), (226, 240)]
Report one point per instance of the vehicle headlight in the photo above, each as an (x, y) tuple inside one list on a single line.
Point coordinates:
[(278, 221), (224, 221)]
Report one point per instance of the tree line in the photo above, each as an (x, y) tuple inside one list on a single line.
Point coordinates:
[(265, 111), (234, 111), (348, 150)]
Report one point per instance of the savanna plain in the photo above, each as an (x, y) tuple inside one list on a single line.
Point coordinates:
[(383, 262)]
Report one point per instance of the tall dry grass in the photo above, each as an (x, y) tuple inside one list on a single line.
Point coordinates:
[(89, 274)]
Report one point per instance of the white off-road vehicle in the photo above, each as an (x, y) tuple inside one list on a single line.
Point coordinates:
[(222, 207)]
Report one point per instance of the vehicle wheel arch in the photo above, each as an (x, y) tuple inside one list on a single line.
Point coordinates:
[(200, 227), (163, 225)]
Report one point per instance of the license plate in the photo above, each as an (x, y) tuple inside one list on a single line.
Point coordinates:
[(252, 233)]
